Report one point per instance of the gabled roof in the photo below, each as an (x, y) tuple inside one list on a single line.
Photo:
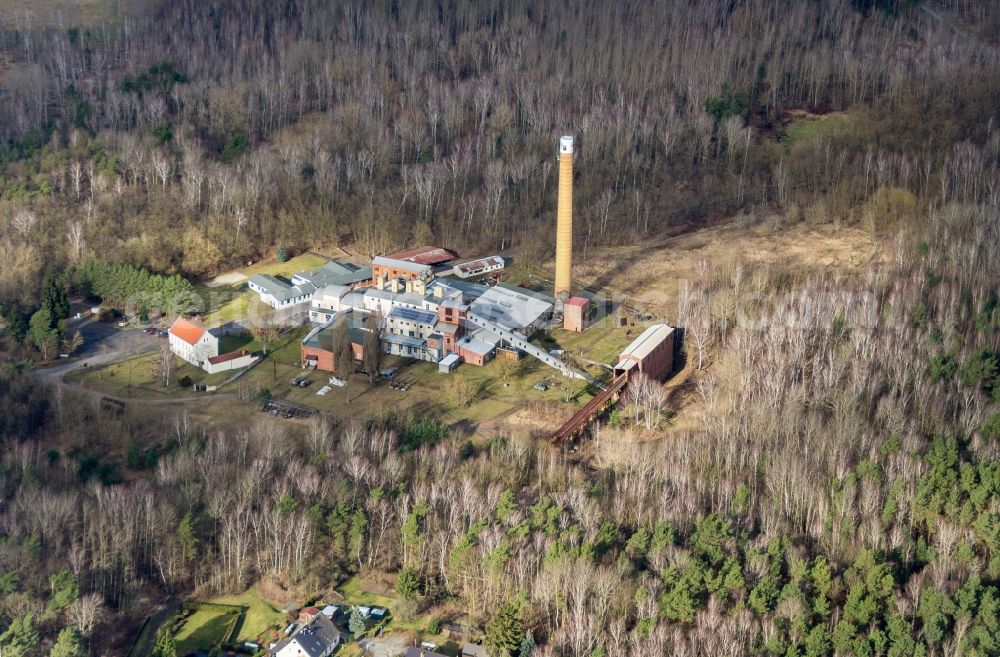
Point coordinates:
[(279, 289), (313, 639), (511, 307), (649, 340), (481, 263), (187, 331), (335, 272), (425, 255), (404, 265)]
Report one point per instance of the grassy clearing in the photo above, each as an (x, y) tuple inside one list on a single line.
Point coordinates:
[(501, 388), (810, 128), (355, 593), (287, 268), (204, 629), (261, 615), (431, 391), (134, 377), (224, 304)]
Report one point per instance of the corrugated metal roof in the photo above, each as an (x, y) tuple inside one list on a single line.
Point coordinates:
[(279, 289), (481, 263), (334, 272), (405, 265), (425, 255), (511, 307), (647, 341)]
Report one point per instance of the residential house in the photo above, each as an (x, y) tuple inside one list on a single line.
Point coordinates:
[(318, 637), (193, 343)]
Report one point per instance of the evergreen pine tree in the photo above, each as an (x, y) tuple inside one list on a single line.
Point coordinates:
[(282, 253), (68, 644), (21, 637), (527, 645), (505, 631), (356, 624), (166, 644), (54, 297)]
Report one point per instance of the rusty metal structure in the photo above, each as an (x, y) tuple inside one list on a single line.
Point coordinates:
[(564, 222), (590, 411)]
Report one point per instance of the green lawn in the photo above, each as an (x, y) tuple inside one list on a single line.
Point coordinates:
[(134, 377), (835, 124), (354, 593), (204, 629), (261, 615), (430, 393), (291, 266), (224, 304)]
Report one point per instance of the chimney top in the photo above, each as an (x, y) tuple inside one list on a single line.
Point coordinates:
[(566, 144)]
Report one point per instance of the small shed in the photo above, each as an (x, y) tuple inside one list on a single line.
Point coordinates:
[(509, 353), (448, 364), (575, 314)]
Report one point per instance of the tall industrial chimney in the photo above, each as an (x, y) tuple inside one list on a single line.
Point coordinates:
[(564, 222)]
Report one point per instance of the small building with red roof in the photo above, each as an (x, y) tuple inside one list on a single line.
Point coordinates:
[(575, 314), (192, 342)]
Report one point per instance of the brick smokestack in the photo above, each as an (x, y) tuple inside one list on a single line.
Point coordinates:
[(564, 222)]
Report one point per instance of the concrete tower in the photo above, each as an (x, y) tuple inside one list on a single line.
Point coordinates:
[(564, 222)]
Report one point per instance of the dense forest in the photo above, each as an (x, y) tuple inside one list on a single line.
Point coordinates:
[(841, 494), (185, 136)]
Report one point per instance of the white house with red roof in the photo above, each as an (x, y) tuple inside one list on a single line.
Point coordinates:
[(193, 343)]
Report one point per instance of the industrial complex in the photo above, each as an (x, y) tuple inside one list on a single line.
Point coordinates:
[(427, 305)]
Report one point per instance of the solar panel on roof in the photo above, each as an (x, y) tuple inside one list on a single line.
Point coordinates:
[(412, 315)]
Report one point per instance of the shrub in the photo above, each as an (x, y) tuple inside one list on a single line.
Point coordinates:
[(185, 381)]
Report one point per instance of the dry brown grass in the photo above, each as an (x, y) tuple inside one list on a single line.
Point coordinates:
[(649, 273)]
